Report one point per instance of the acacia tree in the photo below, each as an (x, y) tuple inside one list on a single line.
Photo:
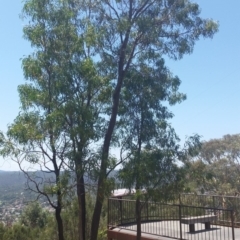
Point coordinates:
[(129, 28)]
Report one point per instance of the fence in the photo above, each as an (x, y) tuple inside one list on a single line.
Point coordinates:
[(172, 220), (213, 201)]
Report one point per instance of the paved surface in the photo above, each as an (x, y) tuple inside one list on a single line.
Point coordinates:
[(172, 229)]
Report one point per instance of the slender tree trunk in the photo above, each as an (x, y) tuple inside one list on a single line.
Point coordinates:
[(138, 188), (138, 218), (107, 139), (58, 208), (103, 169), (59, 222), (81, 206)]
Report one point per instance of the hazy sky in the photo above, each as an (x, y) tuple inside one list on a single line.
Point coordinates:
[(210, 76)]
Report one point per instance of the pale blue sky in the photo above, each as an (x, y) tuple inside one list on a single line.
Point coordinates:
[(210, 76)]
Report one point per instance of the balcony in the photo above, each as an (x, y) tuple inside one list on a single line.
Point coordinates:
[(169, 221)]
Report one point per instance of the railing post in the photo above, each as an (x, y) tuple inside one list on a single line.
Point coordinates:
[(108, 213), (120, 206), (180, 221), (108, 220), (214, 205), (147, 210), (232, 220)]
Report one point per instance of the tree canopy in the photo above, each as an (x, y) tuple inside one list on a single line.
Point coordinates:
[(216, 168), (96, 78)]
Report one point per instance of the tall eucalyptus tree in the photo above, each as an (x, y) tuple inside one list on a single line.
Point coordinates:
[(60, 102), (126, 29), (63, 48), (147, 137)]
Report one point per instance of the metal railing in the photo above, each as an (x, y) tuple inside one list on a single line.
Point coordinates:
[(213, 201), (173, 220)]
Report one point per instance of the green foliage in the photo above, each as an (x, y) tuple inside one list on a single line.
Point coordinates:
[(37, 227), (150, 144), (216, 168), (97, 76), (2, 231), (37, 223), (34, 216), (225, 148), (70, 219), (17, 232), (157, 175)]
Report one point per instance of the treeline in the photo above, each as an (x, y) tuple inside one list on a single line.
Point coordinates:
[(216, 169)]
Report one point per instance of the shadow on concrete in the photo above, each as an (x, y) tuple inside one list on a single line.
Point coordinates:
[(204, 230)]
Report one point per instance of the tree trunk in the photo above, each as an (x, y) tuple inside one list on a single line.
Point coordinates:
[(138, 218), (102, 175), (59, 223), (81, 206), (107, 139), (96, 219)]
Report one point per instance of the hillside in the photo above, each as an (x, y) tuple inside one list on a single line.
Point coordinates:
[(12, 187)]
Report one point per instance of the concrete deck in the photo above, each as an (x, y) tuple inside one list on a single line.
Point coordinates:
[(171, 229)]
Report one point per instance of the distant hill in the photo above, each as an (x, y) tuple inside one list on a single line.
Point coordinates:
[(13, 185), (8, 178)]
